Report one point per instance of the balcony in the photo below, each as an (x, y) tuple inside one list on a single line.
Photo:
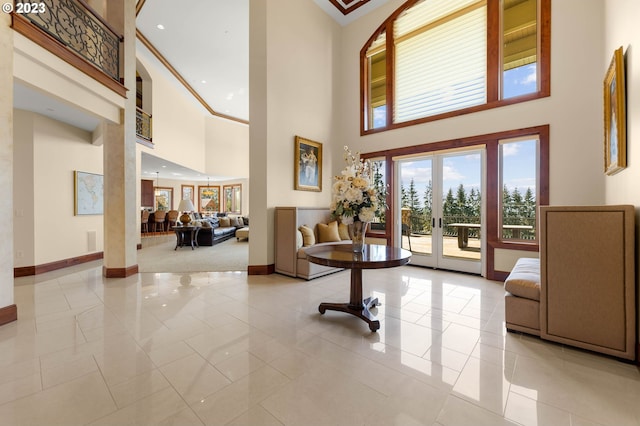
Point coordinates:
[(73, 31), (143, 127)]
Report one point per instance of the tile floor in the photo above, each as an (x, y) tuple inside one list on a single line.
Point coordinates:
[(228, 349)]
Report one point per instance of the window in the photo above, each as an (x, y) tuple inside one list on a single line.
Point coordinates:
[(515, 159), (377, 84), (518, 178), (437, 58), (520, 48), (232, 198), (379, 166)]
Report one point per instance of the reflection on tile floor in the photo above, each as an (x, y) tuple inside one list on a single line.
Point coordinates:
[(227, 348)]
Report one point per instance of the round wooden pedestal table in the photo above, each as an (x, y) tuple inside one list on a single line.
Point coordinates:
[(373, 256)]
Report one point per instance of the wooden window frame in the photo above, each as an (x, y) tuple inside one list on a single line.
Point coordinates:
[(494, 76), (493, 190)]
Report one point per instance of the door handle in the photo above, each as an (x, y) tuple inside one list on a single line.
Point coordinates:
[(440, 222), (433, 222)]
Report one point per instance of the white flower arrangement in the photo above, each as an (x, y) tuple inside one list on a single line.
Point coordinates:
[(354, 194)]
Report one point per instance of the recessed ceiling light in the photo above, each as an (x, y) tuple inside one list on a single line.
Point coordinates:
[(204, 81), (160, 26)]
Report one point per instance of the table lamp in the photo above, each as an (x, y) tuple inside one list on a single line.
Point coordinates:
[(185, 206)]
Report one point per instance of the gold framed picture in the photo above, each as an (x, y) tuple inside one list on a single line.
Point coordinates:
[(308, 165), (615, 134)]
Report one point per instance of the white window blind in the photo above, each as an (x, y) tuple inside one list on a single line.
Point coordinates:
[(440, 66)]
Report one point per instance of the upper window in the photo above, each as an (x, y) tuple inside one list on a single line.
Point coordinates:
[(437, 58)]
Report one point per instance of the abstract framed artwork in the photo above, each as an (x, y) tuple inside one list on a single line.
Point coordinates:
[(89, 193), (615, 134), (308, 165)]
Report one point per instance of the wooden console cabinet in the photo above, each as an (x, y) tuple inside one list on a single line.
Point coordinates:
[(587, 262), (147, 198)]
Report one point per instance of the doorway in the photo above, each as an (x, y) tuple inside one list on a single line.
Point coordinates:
[(440, 217)]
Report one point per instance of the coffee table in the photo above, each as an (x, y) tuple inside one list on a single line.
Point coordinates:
[(373, 256)]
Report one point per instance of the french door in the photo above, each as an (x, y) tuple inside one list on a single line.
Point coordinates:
[(441, 205)]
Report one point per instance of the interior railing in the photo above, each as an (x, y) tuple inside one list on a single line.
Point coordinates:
[(77, 26), (143, 124)]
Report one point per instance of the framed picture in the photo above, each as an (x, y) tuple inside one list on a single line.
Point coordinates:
[(164, 198), (187, 193), (308, 165), (232, 198), (209, 199), (89, 193), (615, 134)]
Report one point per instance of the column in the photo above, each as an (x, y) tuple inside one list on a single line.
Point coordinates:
[(121, 214), (8, 310)]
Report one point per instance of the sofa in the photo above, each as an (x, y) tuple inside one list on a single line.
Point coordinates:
[(215, 230), (582, 290), (291, 244)]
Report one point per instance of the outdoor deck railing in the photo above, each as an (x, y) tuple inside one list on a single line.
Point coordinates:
[(452, 231), (77, 26)]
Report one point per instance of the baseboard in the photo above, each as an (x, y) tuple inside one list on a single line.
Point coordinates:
[(497, 275), (261, 269), (8, 314), (119, 272), (25, 271)]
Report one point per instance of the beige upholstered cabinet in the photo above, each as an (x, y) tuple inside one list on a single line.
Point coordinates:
[(587, 262)]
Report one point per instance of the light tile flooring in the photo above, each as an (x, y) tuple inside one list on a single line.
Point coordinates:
[(225, 348)]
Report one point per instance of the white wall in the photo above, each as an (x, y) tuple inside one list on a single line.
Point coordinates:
[(178, 125), (294, 58), (49, 151), (621, 25), (226, 147), (574, 110), (39, 68), (6, 160)]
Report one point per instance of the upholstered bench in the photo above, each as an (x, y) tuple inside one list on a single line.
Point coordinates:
[(522, 300), (242, 233)]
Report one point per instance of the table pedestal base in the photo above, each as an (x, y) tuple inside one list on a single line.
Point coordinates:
[(361, 311)]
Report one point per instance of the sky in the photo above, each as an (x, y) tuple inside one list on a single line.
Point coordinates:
[(519, 156)]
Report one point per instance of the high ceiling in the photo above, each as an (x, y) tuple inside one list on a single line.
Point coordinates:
[(211, 53), (203, 47)]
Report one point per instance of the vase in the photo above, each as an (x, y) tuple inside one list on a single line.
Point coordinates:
[(357, 231)]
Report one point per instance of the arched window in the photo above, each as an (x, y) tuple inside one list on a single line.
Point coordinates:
[(433, 59)]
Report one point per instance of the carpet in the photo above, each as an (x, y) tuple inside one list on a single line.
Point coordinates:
[(158, 255)]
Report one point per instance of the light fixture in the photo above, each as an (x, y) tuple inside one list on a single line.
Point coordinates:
[(186, 207), (160, 27)]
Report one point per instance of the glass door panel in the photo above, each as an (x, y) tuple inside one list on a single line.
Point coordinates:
[(416, 204), (440, 200), (461, 205)]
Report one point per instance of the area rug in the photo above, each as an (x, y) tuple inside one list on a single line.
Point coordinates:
[(158, 255)]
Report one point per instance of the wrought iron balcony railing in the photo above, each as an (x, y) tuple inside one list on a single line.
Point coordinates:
[(78, 27), (143, 125)]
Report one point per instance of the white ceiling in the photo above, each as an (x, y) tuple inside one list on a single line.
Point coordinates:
[(154, 167), (207, 42), (27, 98)]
